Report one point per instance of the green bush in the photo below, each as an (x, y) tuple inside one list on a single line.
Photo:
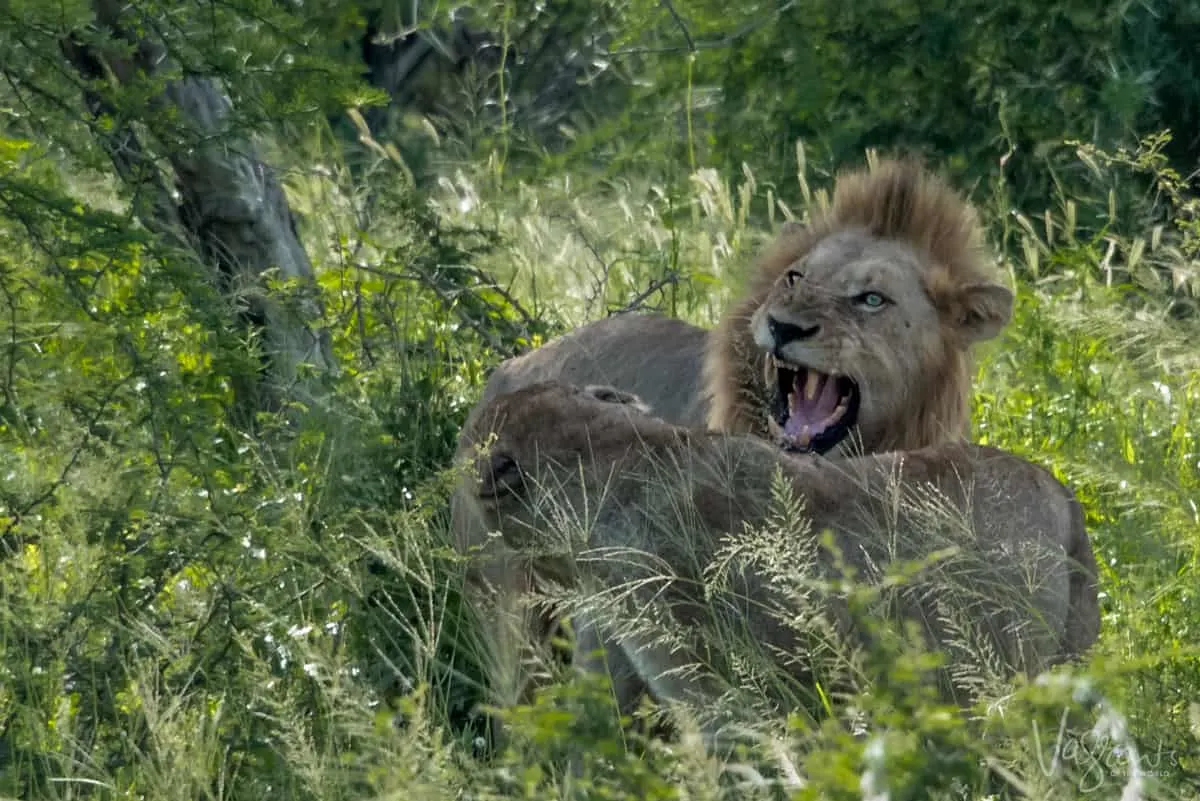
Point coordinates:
[(203, 598)]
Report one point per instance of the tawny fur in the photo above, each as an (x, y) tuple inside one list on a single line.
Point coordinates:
[(897, 202), (669, 495), (693, 377)]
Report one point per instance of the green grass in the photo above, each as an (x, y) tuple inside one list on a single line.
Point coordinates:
[(191, 611)]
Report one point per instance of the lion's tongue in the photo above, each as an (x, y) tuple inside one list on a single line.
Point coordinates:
[(814, 398)]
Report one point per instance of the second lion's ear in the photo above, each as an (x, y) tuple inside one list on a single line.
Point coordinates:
[(610, 394), (499, 473)]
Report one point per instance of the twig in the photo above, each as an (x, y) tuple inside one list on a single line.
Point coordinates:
[(687, 35), (491, 283), (601, 282), (670, 279), (451, 298)]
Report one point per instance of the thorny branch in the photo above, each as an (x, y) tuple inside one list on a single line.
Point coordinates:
[(670, 279), (480, 315)]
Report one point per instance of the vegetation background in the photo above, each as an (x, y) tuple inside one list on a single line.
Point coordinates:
[(257, 256)]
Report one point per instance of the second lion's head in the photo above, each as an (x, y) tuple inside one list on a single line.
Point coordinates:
[(543, 454), (858, 327)]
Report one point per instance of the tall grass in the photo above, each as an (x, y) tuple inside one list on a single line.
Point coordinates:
[(206, 619), (1095, 378)]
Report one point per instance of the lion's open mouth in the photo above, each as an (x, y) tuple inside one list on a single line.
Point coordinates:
[(812, 411)]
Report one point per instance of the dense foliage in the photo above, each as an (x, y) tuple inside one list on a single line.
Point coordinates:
[(219, 579)]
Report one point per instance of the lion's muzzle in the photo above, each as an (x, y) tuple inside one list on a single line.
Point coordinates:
[(811, 410)]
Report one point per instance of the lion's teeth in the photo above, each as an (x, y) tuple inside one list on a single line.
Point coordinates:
[(835, 415), (812, 385), (804, 437)]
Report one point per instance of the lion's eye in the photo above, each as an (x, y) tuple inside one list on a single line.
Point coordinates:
[(792, 276), (872, 300)]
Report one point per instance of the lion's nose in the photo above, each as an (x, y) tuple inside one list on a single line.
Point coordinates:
[(784, 333)]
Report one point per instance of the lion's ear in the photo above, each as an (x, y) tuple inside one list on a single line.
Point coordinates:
[(608, 394), (983, 310), (791, 228)]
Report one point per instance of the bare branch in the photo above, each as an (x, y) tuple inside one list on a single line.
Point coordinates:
[(636, 303)]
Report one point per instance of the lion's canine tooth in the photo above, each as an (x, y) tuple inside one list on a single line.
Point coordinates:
[(804, 437), (812, 385), (835, 415)]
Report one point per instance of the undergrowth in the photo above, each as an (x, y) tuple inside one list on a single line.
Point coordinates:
[(193, 610)]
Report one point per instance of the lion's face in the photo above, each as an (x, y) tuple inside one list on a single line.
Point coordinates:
[(531, 437), (863, 319), (849, 337)]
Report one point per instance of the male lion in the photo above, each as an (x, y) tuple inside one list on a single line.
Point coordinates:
[(603, 494), (855, 334), (860, 323)]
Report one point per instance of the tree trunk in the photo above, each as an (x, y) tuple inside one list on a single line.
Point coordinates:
[(229, 211)]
